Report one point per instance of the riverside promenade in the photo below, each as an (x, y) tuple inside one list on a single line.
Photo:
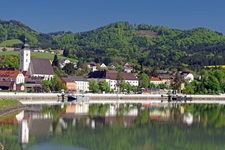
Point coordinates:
[(56, 98)]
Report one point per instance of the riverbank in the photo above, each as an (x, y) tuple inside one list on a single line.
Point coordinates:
[(55, 98), (9, 107)]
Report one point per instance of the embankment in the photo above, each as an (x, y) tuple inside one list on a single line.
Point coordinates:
[(51, 98)]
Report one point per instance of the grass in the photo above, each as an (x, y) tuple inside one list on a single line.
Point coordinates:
[(8, 116), (7, 103), (10, 42), (37, 55)]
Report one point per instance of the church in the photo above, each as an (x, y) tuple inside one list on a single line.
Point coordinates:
[(34, 67)]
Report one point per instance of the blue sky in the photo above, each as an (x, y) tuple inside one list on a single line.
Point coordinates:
[(83, 15)]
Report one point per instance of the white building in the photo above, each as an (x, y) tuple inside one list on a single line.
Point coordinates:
[(82, 83), (24, 56), (113, 78)]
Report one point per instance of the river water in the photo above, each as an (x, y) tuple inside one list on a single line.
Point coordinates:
[(82, 126)]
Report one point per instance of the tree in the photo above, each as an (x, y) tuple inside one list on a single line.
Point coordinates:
[(46, 85), (93, 86), (123, 85), (69, 69), (4, 49), (144, 80), (10, 61), (103, 85), (177, 81), (57, 84), (55, 62), (154, 72)]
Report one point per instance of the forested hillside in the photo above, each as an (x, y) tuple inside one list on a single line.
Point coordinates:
[(143, 45)]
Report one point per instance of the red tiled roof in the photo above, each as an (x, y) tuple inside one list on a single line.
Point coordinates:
[(155, 79), (7, 72)]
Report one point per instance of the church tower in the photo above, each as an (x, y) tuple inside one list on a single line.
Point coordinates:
[(24, 56)]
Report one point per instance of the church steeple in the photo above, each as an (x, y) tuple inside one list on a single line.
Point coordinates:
[(25, 45), (24, 56)]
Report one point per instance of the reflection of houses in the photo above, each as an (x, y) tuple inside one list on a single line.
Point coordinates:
[(160, 115), (112, 116), (40, 123), (188, 118), (157, 111), (77, 108)]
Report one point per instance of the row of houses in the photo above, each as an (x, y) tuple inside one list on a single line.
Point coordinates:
[(13, 79)]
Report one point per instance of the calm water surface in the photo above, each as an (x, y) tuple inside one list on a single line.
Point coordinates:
[(115, 127)]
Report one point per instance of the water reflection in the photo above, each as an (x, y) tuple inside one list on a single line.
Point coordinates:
[(126, 126)]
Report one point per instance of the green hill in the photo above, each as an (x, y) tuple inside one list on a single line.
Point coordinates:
[(143, 45)]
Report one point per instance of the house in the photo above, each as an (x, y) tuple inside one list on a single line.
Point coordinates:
[(112, 78), (155, 80), (82, 84), (70, 84), (20, 87), (151, 91), (34, 84), (127, 68), (9, 74), (92, 66), (7, 85), (166, 79), (187, 76), (38, 50), (63, 62), (102, 65)]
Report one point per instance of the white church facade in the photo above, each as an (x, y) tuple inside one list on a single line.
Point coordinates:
[(34, 67)]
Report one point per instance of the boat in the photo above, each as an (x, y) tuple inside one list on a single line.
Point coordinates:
[(77, 98), (71, 97)]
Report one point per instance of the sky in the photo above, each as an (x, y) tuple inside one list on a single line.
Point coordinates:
[(83, 15)]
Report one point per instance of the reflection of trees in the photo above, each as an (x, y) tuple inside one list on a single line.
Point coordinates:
[(143, 117), (143, 134), (211, 114)]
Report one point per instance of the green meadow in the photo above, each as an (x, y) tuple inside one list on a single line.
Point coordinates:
[(37, 55), (10, 43)]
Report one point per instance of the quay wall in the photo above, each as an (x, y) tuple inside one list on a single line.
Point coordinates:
[(54, 97)]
